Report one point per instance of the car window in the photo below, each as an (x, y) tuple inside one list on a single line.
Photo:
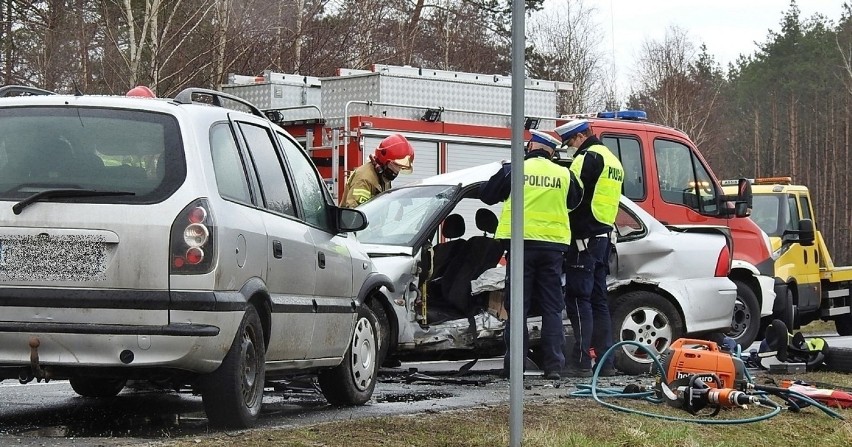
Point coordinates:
[(766, 213), (628, 150), (92, 148), (398, 217), (627, 225), (793, 222), (228, 165), (683, 178), (806, 207), (276, 192), (311, 189)]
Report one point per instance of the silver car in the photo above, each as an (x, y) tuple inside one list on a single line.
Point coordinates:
[(434, 240), (169, 240)]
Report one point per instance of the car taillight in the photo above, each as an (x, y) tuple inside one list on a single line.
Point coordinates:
[(193, 240), (723, 264)]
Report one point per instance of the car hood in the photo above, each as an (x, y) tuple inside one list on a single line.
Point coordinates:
[(381, 250)]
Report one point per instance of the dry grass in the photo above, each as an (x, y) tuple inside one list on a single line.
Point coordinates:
[(566, 421), (818, 327)]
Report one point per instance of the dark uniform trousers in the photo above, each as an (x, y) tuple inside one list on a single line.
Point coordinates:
[(542, 286), (586, 301)]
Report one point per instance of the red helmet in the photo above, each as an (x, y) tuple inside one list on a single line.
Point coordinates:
[(397, 150), (140, 91)]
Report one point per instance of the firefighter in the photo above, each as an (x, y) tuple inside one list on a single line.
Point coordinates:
[(393, 155), (550, 191), (587, 260)]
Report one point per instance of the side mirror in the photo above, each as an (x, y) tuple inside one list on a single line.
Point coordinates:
[(744, 192), (806, 232), (741, 209), (804, 236), (350, 220), (742, 201)]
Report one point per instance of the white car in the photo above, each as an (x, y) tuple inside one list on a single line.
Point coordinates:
[(433, 238)]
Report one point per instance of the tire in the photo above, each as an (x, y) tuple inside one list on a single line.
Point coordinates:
[(383, 331), (843, 324), (353, 380), (98, 387), (647, 318), (786, 312), (745, 322), (838, 359), (233, 394)]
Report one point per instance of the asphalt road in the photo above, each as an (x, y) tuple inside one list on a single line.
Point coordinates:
[(51, 414)]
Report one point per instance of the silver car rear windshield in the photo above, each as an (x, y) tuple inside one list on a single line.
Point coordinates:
[(135, 151), (398, 216)]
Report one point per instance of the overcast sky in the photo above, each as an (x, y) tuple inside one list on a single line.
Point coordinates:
[(728, 27)]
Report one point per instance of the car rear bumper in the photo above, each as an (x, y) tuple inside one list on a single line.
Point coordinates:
[(707, 303), (197, 347), (84, 328)]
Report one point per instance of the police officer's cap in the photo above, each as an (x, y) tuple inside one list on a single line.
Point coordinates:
[(571, 128), (544, 138)]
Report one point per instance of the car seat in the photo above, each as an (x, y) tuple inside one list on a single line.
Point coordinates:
[(452, 228), (479, 254)]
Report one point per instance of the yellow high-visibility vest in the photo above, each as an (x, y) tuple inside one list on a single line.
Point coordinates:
[(608, 190), (545, 211)]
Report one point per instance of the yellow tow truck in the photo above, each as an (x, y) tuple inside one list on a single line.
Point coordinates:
[(816, 288)]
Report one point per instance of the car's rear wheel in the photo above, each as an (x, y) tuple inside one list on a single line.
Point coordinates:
[(233, 394), (352, 382), (646, 318), (745, 322), (96, 386)]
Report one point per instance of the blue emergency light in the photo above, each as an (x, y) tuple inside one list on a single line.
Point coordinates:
[(633, 115)]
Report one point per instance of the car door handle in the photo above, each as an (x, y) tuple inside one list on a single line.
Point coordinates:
[(321, 260), (277, 250)]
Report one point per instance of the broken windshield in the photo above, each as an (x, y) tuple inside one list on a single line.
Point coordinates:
[(398, 216)]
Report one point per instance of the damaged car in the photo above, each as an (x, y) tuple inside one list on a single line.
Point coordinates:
[(435, 241)]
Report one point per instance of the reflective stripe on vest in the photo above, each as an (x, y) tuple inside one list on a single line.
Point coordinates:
[(608, 187), (545, 211)]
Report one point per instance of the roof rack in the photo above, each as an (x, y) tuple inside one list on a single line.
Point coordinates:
[(186, 95), (22, 90)]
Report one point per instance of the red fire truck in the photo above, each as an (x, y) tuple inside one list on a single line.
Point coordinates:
[(458, 120)]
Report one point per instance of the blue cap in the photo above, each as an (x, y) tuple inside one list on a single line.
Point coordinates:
[(544, 138), (571, 128)]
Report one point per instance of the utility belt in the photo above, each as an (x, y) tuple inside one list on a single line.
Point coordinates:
[(583, 244)]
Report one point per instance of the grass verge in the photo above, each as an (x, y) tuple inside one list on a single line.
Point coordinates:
[(564, 421)]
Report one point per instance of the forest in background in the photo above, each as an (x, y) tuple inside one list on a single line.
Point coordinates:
[(786, 109)]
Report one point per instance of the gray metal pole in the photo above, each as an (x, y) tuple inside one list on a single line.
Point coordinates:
[(516, 255)]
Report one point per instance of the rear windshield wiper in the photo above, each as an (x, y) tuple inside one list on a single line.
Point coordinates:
[(62, 193)]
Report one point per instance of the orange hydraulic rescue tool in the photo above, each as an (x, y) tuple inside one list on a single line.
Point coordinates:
[(699, 375)]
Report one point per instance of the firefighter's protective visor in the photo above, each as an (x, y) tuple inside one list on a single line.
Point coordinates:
[(402, 165)]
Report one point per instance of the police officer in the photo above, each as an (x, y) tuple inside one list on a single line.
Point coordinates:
[(550, 191), (393, 155), (587, 259)]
